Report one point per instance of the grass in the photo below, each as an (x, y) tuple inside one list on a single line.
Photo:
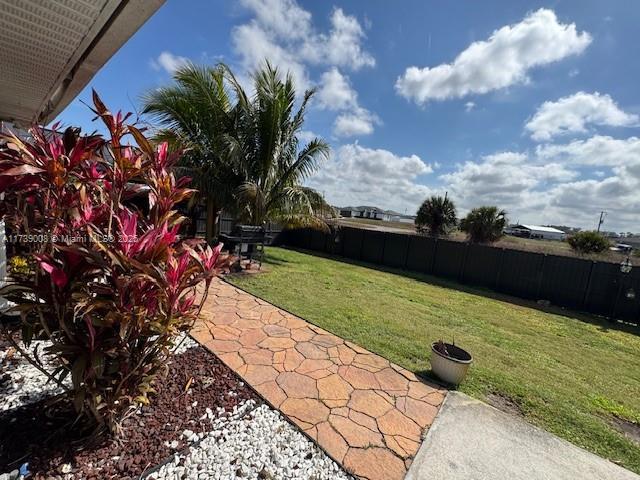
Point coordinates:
[(569, 374)]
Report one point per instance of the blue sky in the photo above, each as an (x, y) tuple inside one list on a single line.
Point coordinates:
[(531, 106)]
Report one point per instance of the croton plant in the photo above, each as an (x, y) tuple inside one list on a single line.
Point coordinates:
[(113, 284)]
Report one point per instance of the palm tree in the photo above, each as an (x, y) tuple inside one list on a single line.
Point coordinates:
[(242, 152), (484, 224), (196, 114), (436, 216), (274, 165)]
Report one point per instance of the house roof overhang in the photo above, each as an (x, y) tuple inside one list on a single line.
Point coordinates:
[(50, 50)]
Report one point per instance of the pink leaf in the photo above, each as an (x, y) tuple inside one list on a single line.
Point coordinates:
[(58, 276)]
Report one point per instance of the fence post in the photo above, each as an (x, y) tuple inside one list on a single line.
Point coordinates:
[(540, 276), (612, 315), (384, 244), (406, 252), (464, 263), (361, 243), (435, 253), (499, 269), (587, 290)]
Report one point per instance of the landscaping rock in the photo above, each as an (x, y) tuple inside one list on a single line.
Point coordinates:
[(252, 443)]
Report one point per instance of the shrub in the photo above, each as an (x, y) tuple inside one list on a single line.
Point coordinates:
[(436, 216), (484, 224), (588, 242), (113, 284)]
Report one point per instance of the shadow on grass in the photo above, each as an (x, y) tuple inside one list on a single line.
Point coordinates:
[(604, 324)]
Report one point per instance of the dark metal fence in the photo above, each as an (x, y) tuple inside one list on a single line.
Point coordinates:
[(227, 223), (591, 286)]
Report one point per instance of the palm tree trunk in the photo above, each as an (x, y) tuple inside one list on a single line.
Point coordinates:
[(194, 216)]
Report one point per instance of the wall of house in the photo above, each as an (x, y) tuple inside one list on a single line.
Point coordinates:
[(547, 235)]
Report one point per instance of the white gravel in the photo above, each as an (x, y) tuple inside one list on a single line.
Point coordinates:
[(250, 443), (21, 383), (184, 345)]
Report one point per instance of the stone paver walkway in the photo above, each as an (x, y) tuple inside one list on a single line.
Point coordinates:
[(367, 413)]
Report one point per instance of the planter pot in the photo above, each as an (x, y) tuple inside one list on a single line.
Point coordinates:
[(451, 368)]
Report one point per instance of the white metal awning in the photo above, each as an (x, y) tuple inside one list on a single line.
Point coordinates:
[(50, 50)]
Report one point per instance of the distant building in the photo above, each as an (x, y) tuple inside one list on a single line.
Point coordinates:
[(406, 219), (535, 231), (375, 213)]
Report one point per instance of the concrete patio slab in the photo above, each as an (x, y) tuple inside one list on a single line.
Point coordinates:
[(366, 412), (470, 440)]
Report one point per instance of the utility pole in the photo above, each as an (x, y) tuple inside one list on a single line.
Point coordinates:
[(601, 221)]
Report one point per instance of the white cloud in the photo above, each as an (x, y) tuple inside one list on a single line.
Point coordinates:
[(283, 33), (335, 91), (169, 62), (572, 114), (281, 18), (505, 179), (502, 60), (598, 150), (255, 45), (305, 136), (469, 106), (358, 122), (343, 45), (558, 184), (356, 175), (579, 203)]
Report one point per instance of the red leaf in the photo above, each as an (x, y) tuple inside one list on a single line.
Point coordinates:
[(58, 276), (22, 170)]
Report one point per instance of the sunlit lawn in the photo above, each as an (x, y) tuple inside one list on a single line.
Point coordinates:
[(567, 375)]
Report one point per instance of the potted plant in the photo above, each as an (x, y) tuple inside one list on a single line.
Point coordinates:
[(450, 362)]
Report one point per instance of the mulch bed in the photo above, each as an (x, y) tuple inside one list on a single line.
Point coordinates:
[(40, 435)]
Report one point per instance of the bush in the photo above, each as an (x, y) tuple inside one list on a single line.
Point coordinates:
[(484, 224), (112, 285), (436, 216), (588, 242)]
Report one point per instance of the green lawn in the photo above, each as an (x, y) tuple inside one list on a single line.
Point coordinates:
[(567, 375)]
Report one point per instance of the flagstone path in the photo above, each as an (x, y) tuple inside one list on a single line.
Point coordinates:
[(366, 412)]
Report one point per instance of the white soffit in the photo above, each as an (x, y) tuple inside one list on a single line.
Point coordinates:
[(50, 50)]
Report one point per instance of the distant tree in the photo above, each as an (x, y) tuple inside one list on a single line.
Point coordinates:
[(588, 242), (436, 216), (484, 224)]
